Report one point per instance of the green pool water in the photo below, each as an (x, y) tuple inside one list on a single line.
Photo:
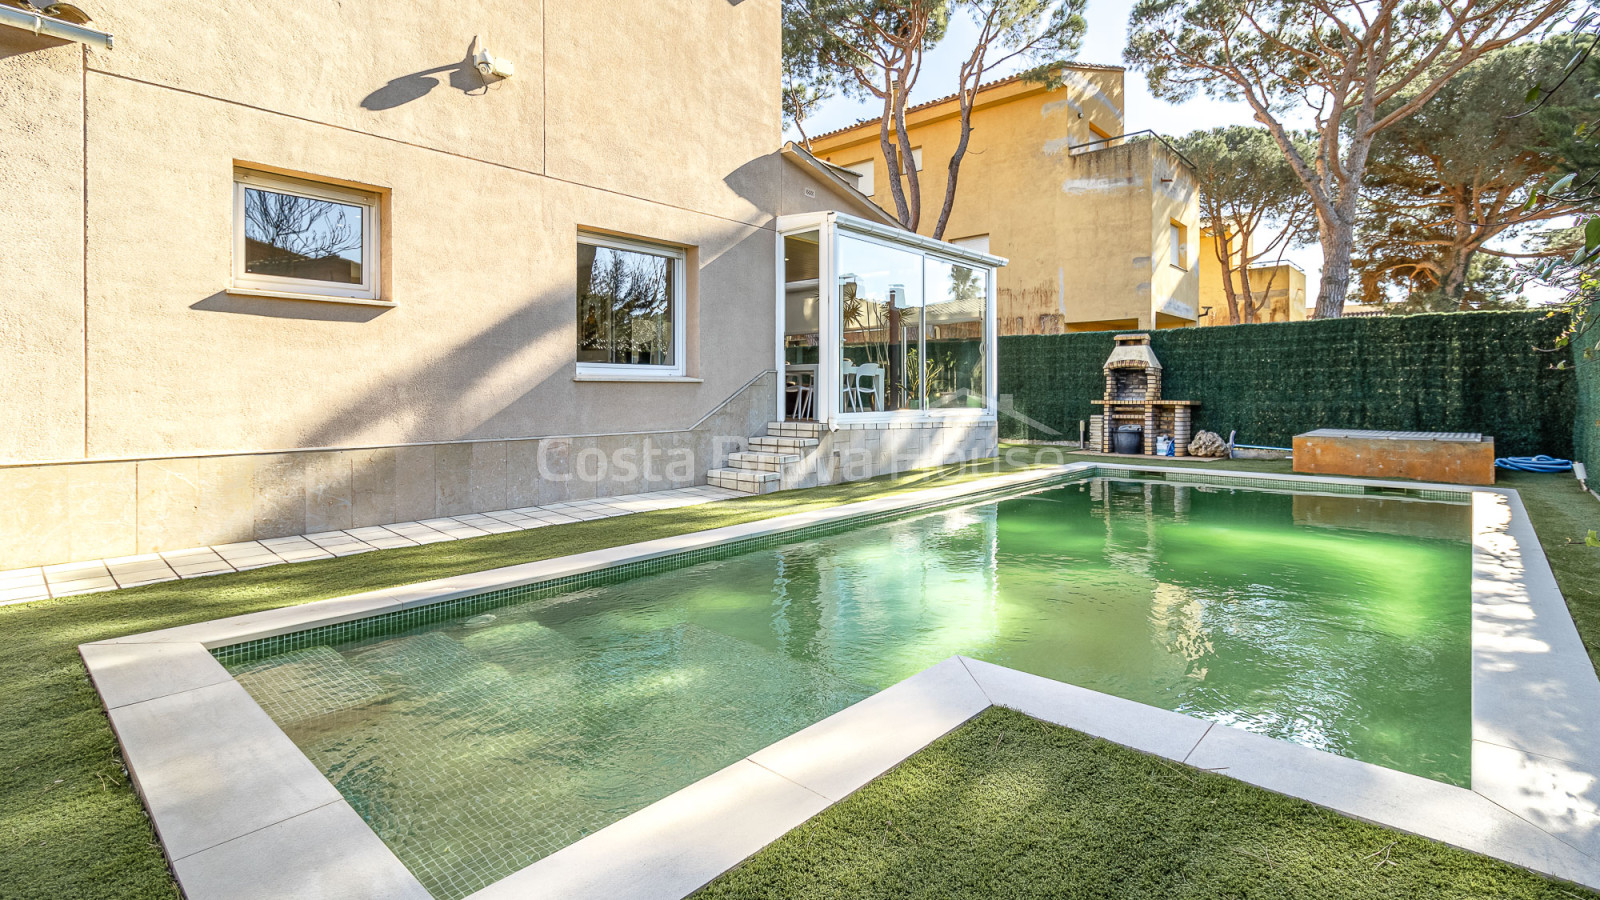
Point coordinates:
[(475, 747)]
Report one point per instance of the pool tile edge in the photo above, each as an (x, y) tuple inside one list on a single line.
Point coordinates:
[(682, 842)]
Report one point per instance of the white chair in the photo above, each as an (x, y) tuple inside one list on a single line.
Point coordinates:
[(804, 391), (847, 380), (864, 372)]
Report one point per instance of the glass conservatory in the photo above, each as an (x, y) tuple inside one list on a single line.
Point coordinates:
[(877, 324)]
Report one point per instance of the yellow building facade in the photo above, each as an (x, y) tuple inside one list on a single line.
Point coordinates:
[(1101, 231), (1278, 289)]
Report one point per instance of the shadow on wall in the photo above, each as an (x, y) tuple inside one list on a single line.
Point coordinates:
[(280, 308), (500, 378), (463, 76)]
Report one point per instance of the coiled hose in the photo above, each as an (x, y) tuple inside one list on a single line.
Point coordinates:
[(1540, 463)]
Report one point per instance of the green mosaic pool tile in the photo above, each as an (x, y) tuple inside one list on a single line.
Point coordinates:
[(403, 620), (444, 611)]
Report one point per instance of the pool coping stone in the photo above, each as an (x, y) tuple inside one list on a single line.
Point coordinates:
[(219, 801)]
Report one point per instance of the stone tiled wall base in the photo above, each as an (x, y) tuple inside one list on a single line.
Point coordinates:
[(856, 452), (65, 512)]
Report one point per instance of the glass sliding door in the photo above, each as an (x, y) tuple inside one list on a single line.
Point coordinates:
[(879, 297), (954, 357), (802, 324)]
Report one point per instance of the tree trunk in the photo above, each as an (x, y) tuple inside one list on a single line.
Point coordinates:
[(1249, 292), (1453, 286), (1337, 242), (954, 171), (1225, 256)]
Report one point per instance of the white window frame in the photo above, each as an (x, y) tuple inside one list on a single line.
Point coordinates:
[(632, 371), (1178, 237), (307, 288)]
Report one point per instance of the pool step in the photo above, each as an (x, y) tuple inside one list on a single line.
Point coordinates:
[(769, 444), (761, 462), (748, 481), (794, 428)]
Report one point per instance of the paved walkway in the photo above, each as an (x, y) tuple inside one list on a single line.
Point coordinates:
[(44, 582)]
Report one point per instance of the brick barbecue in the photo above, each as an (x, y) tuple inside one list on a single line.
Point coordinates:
[(1133, 397)]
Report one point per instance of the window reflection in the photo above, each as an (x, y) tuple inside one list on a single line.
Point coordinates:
[(625, 306), (953, 352), (880, 306), (290, 236)]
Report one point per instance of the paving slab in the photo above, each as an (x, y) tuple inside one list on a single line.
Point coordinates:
[(334, 856), (1533, 686), (1409, 803), (134, 673), (839, 754), (1552, 794), (673, 846), (1158, 731), (212, 766), (269, 622)]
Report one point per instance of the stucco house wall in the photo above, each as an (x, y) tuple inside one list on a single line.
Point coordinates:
[(147, 408), (1082, 220)]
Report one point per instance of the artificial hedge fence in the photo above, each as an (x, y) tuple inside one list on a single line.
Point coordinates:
[(1487, 372), (1586, 424)]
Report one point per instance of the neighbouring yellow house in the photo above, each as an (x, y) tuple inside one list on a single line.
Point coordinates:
[(1278, 289), (1101, 230)]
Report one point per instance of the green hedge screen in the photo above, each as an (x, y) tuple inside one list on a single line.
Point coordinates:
[(1482, 372), (1586, 424)]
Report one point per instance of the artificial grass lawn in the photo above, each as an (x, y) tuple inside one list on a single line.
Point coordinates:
[(71, 826), (1010, 807)]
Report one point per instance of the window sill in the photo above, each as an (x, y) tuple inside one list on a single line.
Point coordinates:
[(641, 379), (1178, 267), (296, 295)]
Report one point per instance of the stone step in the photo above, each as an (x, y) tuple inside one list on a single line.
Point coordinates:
[(781, 444), (794, 429), (744, 480), (761, 462)]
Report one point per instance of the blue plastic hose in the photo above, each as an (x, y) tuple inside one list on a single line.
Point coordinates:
[(1540, 463)]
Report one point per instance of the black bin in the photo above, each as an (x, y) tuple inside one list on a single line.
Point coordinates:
[(1128, 439)]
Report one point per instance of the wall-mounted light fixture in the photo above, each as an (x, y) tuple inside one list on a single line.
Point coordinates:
[(491, 67)]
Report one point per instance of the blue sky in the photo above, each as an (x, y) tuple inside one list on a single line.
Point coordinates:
[(1103, 43)]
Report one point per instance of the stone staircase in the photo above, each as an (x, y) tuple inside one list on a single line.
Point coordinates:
[(758, 469)]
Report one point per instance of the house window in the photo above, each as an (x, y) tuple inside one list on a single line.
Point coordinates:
[(304, 239), (630, 308), (916, 159), (863, 172), (1179, 239)]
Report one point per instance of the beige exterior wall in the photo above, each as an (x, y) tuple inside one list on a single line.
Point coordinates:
[(1279, 289), (1085, 227), (146, 407)]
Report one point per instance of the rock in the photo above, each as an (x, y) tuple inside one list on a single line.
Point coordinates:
[(1208, 443)]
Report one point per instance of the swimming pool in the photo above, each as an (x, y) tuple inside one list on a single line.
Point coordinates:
[(480, 742)]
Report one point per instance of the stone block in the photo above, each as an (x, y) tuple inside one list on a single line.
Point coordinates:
[(226, 513), (372, 487), (452, 473), (169, 504), (416, 492), (328, 492), (102, 510), (279, 495), (487, 476), (34, 516)]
